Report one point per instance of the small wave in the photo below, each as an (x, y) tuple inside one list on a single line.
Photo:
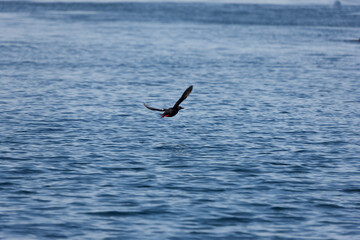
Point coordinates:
[(112, 213), (25, 192), (328, 205), (226, 221), (4, 184), (128, 213), (352, 190), (283, 208)]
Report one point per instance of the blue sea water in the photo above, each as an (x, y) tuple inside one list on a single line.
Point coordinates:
[(267, 147)]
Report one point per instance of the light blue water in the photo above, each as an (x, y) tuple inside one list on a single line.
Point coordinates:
[(267, 146)]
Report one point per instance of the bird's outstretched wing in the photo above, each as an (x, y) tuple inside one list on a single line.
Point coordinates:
[(184, 96), (154, 109)]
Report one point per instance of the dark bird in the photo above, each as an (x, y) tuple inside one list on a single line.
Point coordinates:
[(170, 112)]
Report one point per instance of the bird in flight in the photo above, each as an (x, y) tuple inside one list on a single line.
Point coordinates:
[(170, 112)]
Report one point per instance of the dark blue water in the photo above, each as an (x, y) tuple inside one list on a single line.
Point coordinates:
[(267, 147)]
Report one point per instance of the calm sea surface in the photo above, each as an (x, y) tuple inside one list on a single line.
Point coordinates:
[(267, 147)]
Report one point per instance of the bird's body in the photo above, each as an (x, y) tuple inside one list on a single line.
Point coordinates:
[(170, 112)]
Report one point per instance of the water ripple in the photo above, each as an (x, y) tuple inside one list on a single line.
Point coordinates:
[(267, 146)]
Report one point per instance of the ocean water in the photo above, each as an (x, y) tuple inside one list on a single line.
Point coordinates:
[(267, 147)]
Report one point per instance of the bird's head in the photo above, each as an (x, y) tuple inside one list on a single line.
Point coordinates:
[(180, 107)]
